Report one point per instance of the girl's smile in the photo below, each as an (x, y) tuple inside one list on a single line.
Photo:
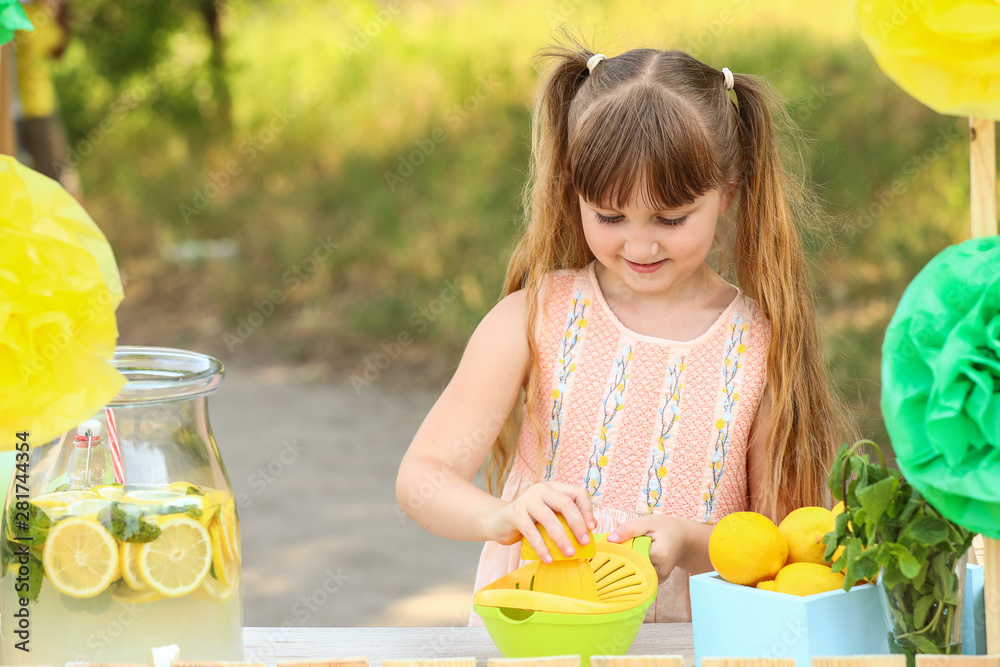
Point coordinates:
[(645, 268)]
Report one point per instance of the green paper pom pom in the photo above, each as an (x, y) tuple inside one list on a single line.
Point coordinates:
[(12, 17), (941, 384)]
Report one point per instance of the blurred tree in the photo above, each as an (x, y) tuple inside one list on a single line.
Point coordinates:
[(167, 55), (212, 11)]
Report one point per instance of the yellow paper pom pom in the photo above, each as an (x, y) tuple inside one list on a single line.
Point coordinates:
[(59, 288), (943, 53)]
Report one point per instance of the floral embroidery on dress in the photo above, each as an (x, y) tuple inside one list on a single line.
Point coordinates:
[(575, 323), (735, 349), (614, 400), (669, 414)]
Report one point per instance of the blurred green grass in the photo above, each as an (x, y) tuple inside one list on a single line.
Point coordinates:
[(457, 77)]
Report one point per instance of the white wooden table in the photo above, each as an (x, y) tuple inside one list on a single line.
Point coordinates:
[(271, 645)]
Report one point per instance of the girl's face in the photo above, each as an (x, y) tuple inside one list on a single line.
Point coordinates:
[(654, 251)]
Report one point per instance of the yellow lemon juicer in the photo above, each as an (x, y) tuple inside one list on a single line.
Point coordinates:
[(592, 603)]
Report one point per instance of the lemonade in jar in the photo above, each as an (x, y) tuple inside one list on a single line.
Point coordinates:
[(138, 545)]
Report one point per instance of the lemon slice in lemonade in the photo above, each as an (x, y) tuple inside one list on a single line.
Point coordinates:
[(208, 510), (110, 491), (220, 566), (162, 503), (152, 497), (176, 562), (214, 591), (88, 509), (122, 592), (228, 531), (222, 586), (57, 505), (63, 498), (80, 557), (129, 559)]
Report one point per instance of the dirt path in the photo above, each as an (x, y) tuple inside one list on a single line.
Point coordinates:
[(313, 467)]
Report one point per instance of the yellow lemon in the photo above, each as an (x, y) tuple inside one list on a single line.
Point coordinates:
[(129, 560), (768, 585), (807, 579), (804, 529), (588, 550), (80, 557), (176, 562), (746, 548)]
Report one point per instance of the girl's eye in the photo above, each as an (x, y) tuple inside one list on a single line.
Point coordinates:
[(669, 222)]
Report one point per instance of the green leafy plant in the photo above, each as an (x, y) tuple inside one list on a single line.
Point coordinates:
[(889, 530)]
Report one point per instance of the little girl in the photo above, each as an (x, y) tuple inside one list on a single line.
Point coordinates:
[(622, 382)]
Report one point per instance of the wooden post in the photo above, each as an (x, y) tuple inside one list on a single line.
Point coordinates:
[(991, 596), (983, 173), (8, 137)]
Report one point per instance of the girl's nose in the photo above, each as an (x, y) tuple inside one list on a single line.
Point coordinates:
[(645, 250)]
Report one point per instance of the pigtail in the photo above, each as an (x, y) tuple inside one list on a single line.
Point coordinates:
[(548, 243), (807, 420)]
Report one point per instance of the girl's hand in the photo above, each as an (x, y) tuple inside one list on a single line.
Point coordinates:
[(676, 542), (540, 504), (666, 546)]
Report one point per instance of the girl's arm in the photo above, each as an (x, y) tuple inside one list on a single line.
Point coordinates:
[(434, 482), (684, 543)]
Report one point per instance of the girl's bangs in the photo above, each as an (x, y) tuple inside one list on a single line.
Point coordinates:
[(645, 144)]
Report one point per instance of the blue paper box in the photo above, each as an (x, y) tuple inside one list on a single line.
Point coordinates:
[(974, 612), (729, 620)]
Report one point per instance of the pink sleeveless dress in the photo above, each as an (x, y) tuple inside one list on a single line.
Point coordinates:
[(647, 425)]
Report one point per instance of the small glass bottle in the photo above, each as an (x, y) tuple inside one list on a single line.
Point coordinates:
[(86, 462)]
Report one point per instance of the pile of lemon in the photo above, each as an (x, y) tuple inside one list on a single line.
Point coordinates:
[(747, 548), (199, 556)]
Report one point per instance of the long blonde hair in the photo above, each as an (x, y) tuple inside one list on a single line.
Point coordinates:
[(664, 120)]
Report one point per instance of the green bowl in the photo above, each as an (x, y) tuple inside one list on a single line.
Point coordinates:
[(523, 633), (518, 633)]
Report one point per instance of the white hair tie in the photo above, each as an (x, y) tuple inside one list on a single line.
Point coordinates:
[(594, 59), (729, 81)]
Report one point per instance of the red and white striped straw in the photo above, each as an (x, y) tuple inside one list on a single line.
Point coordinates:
[(116, 455)]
